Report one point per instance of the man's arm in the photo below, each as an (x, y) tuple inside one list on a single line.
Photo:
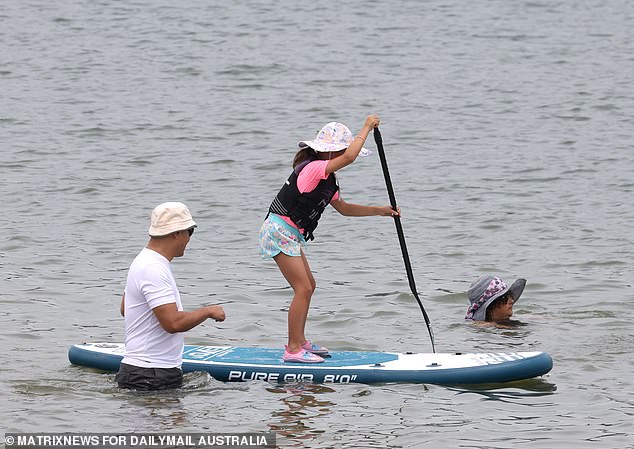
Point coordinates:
[(172, 320), (123, 305)]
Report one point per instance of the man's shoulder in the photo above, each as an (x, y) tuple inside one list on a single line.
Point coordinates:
[(148, 260)]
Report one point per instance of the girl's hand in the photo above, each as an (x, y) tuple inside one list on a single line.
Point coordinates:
[(372, 121), (387, 211)]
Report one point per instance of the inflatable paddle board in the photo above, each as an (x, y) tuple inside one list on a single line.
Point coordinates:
[(230, 363)]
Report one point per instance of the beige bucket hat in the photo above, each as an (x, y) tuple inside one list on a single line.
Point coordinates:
[(170, 217)]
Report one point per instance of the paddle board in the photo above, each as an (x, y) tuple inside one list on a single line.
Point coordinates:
[(230, 363)]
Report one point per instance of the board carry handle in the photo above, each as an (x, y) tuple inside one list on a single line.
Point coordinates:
[(401, 236)]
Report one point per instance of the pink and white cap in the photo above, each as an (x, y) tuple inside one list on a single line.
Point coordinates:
[(333, 136)]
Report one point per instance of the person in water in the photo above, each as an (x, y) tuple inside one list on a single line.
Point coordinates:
[(151, 305), (294, 214), (491, 299)]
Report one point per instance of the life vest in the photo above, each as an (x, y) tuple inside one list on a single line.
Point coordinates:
[(306, 208)]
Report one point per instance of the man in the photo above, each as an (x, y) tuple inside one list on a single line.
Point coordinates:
[(152, 308)]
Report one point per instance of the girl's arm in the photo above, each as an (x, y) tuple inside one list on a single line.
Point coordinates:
[(351, 153), (358, 210)]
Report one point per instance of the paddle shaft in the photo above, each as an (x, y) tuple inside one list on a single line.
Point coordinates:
[(399, 230)]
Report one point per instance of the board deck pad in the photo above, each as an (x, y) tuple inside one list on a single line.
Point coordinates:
[(271, 356), (231, 363)]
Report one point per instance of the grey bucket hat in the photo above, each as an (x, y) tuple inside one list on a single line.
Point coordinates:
[(487, 289)]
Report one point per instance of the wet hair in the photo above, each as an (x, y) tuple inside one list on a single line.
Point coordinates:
[(497, 303), (304, 154)]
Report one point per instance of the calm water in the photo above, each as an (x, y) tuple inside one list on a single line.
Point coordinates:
[(508, 129)]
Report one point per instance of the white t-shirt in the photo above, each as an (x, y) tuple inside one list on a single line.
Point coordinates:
[(150, 284)]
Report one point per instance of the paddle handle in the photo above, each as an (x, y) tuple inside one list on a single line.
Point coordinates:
[(386, 173), (401, 235)]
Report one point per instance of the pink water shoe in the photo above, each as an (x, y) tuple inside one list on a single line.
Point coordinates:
[(301, 356), (315, 349)]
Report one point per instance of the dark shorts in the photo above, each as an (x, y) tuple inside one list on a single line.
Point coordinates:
[(147, 379)]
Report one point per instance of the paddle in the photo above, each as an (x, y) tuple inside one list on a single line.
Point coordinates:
[(399, 229)]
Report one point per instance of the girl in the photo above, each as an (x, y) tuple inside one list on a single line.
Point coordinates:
[(295, 212), (491, 299)]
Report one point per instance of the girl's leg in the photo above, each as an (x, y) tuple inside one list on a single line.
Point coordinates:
[(297, 272), (313, 285)]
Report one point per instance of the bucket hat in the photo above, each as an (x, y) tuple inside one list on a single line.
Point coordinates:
[(333, 136), (487, 289), (170, 217)]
